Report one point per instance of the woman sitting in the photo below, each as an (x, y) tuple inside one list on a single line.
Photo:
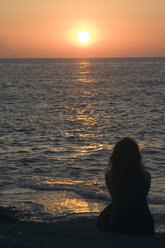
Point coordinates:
[(128, 184)]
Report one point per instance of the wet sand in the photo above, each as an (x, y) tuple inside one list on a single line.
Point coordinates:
[(69, 233)]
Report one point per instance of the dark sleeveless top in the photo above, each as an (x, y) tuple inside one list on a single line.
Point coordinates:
[(130, 212)]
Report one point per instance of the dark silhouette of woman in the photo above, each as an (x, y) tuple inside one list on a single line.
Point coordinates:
[(128, 183)]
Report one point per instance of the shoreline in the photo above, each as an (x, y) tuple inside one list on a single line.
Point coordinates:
[(70, 233)]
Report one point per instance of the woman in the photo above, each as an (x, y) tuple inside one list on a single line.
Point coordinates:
[(128, 184)]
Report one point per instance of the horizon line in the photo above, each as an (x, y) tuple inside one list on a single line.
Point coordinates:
[(124, 57)]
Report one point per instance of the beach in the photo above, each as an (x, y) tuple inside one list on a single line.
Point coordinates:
[(68, 233)]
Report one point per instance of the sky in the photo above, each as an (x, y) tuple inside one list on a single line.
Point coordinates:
[(48, 28)]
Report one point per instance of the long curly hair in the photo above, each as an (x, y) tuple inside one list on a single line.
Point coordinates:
[(125, 164)]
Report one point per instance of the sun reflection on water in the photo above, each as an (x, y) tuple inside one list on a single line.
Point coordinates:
[(85, 119), (68, 205), (62, 197), (65, 203), (84, 115), (84, 73)]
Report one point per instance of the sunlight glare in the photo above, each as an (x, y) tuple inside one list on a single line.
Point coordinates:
[(83, 37)]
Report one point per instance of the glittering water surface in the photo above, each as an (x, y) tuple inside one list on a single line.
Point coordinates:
[(59, 121)]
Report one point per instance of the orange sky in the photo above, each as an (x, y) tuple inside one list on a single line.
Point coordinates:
[(47, 28)]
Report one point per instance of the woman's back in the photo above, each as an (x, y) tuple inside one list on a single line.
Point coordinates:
[(130, 212)]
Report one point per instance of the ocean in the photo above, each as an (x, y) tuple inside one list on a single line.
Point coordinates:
[(59, 121)]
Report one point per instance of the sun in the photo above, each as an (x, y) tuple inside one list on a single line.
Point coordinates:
[(83, 37)]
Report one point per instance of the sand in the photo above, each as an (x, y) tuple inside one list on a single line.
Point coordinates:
[(69, 233)]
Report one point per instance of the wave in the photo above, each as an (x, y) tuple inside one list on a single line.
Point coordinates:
[(89, 190), (156, 200)]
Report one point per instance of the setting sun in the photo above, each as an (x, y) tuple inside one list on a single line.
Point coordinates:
[(83, 37), (82, 28)]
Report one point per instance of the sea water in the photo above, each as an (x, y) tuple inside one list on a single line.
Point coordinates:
[(59, 121)]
